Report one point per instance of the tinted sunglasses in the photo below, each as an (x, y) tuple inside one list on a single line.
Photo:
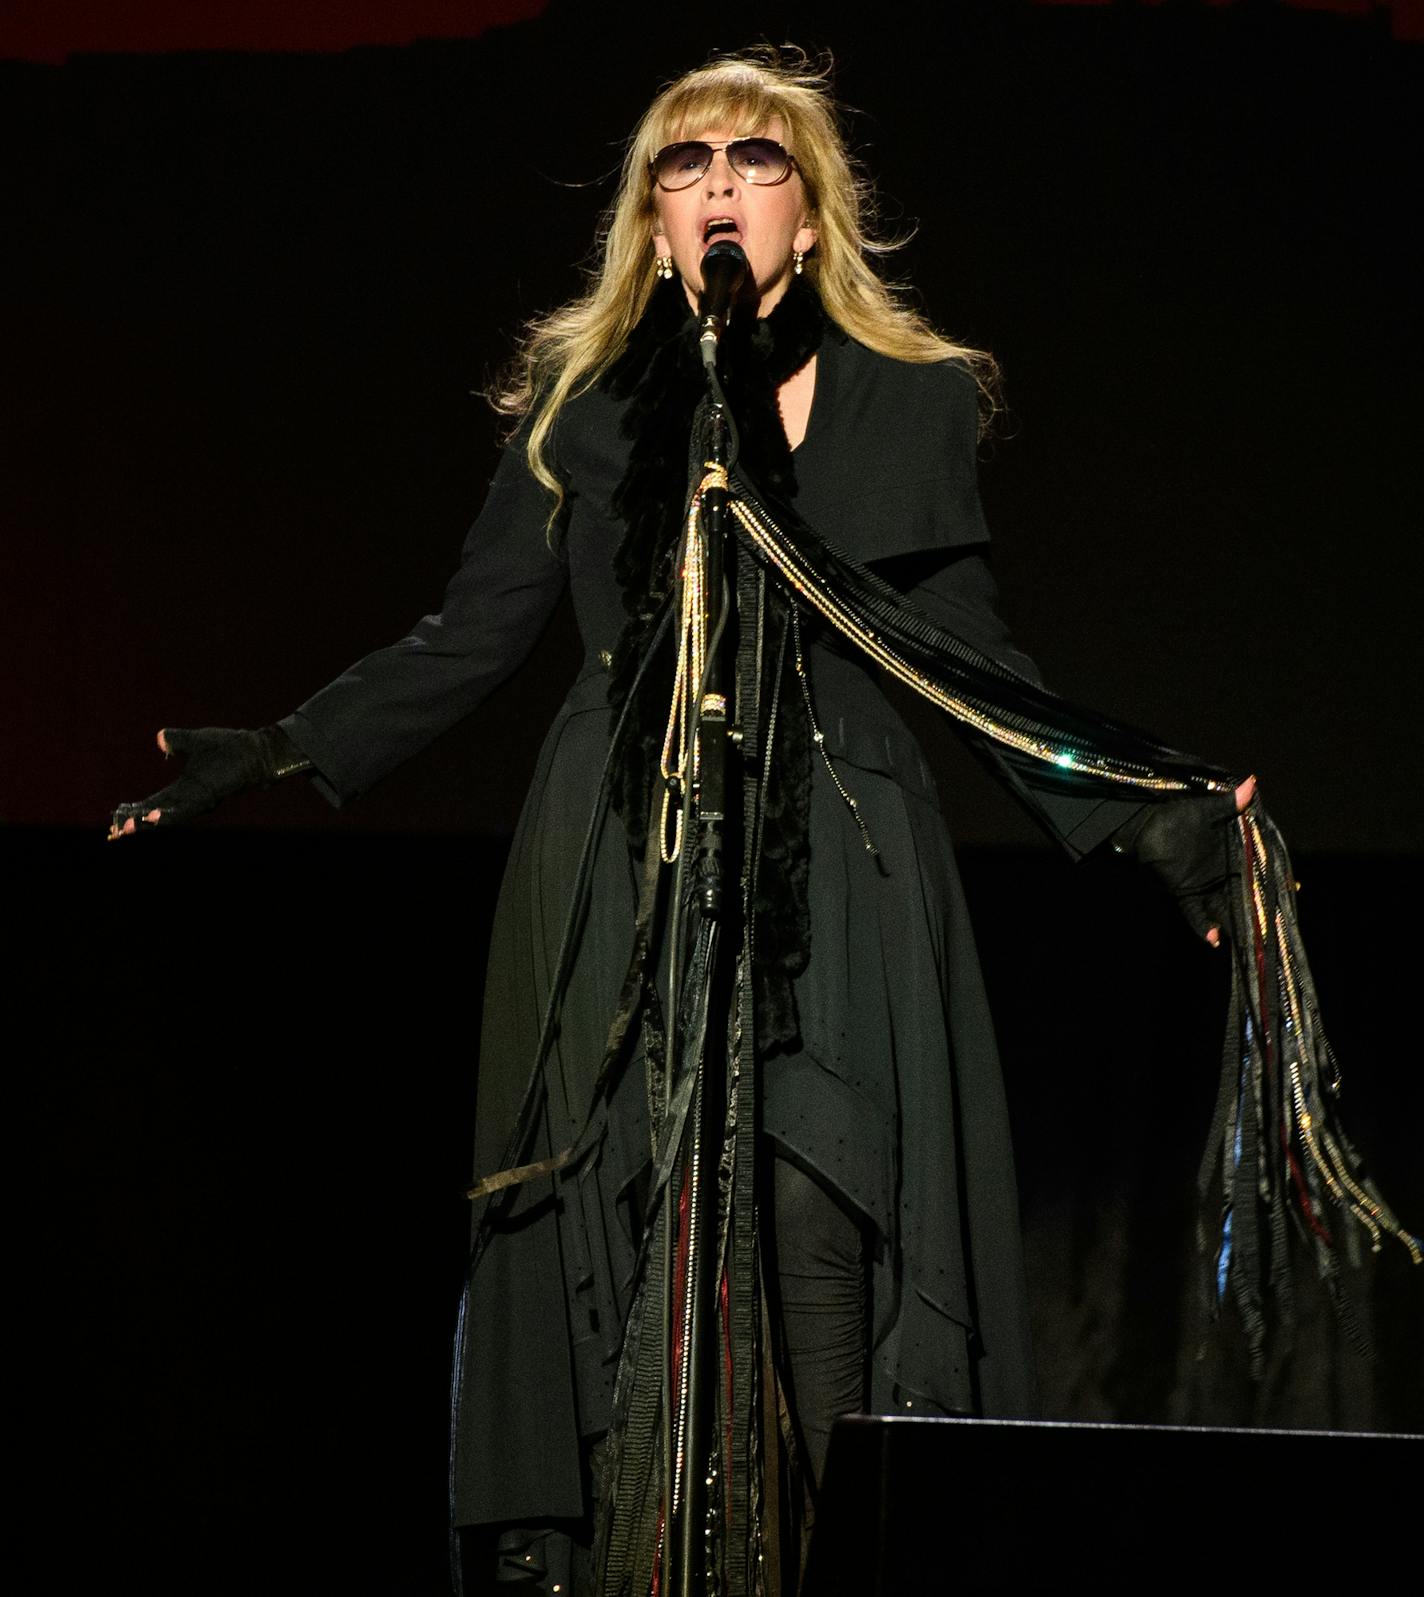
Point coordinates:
[(678, 166)]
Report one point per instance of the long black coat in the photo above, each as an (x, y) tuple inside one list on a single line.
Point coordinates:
[(894, 1096)]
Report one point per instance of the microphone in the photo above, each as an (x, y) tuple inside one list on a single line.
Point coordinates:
[(724, 270)]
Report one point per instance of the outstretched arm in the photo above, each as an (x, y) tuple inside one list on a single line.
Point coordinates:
[(1181, 840), (956, 588), (395, 701)]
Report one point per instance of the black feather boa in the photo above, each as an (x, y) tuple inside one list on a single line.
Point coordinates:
[(660, 376)]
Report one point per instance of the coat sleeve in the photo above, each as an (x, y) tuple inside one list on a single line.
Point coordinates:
[(947, 574), (958, 588), (391, 704)]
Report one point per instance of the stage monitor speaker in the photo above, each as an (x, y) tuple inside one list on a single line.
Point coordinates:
[(960, 1505)]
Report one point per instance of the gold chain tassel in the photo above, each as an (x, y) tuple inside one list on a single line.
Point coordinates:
[(679, 764)]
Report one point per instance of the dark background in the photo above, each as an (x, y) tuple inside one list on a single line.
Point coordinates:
[(251, 293)]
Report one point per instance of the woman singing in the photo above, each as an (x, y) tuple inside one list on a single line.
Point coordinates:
[(888, 1275)]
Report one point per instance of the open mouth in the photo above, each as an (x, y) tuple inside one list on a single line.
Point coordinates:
[(720, 227)]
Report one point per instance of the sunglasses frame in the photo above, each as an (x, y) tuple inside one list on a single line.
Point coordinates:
[(726, 145)]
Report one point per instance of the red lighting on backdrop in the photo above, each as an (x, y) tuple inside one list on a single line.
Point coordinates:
[(52, 30)]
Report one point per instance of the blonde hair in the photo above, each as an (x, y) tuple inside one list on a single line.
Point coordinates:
[(566, 352)]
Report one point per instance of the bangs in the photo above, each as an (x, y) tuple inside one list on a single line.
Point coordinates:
[(741, 105)]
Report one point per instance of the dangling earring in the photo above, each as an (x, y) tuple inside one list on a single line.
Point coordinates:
[(798, 258), (662, 264)]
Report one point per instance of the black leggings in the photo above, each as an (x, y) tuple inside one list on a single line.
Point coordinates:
[(819, 1266)]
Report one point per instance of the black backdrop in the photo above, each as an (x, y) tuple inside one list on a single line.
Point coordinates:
[(251, 295)]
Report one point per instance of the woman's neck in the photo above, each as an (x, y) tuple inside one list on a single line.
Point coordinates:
[(794, 399)]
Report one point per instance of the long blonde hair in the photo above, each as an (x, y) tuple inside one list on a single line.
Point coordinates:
[(565, 352)]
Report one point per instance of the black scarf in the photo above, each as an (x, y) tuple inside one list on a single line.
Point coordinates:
[(660, 375)]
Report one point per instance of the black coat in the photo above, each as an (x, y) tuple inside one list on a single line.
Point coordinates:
[(894, 1095)]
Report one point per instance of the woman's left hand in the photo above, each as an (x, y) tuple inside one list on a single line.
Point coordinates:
[(1244, 794), (1183, 841)]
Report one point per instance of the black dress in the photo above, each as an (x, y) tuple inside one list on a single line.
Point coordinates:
[(894, 1095)]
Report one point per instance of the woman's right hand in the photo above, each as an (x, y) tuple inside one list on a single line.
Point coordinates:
[(219, 761)]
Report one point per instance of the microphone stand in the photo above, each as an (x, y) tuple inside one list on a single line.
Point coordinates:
[(691, 1528)]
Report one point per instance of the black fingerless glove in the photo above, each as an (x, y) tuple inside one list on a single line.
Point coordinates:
[(219, 761), (1185, 842)]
